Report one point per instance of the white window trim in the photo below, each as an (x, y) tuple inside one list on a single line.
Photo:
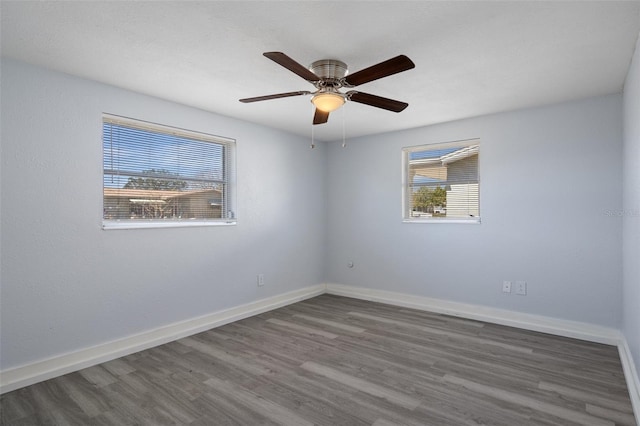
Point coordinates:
[(474, 221), (111, 224), (117, 224), (405, 173)]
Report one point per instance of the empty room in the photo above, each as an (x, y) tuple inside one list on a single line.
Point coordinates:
[(320, 213)]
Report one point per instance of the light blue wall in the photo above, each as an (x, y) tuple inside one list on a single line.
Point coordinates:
[(631, 208), (550, 178), (67, 284), (550, 187)]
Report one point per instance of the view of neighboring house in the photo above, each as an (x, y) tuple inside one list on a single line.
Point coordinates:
[(124, 203), (457, 172)]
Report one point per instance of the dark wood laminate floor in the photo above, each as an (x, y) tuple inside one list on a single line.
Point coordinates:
[(338, 361)]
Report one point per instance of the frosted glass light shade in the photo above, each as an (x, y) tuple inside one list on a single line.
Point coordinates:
[(328, 101)]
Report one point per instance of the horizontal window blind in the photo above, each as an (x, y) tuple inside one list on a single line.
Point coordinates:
[(442, 181), (164, 174)]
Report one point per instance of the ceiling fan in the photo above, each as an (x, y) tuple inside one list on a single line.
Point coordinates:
[(330, 75)]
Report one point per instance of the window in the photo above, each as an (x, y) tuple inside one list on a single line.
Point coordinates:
[(442, 182), (157, 176)]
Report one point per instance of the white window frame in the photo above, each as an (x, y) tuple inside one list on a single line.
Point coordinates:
[(406, 189), (229, 194)]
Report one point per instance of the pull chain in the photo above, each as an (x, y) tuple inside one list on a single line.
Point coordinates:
[(313, 142), (344, 141)]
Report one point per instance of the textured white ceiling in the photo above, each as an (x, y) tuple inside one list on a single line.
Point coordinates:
[(472, 58)]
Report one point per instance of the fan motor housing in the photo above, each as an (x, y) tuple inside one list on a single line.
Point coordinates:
[(329, 69)]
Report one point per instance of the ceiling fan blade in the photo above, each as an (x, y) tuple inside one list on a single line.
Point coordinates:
[(276, 96), (320, 117), (285, 61), (376, 101), (383, 69)]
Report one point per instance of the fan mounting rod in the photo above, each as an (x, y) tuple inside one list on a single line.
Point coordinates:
[(329, 68), (330, 71)]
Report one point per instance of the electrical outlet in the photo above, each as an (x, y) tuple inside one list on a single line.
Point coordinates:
[(506, 286), (260, 280), (521, 288)]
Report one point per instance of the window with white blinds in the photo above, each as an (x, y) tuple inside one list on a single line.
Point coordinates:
[(442, 182), (156, 176)]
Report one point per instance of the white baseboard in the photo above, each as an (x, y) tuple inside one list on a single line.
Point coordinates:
[(560, 327), (631, 376), (29, 374)]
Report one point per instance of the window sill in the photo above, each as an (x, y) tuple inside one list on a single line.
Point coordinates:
[(474, 221), (115, 224)]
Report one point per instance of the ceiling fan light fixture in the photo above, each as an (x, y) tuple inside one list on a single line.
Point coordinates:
[(330, 75), (328, 101)]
